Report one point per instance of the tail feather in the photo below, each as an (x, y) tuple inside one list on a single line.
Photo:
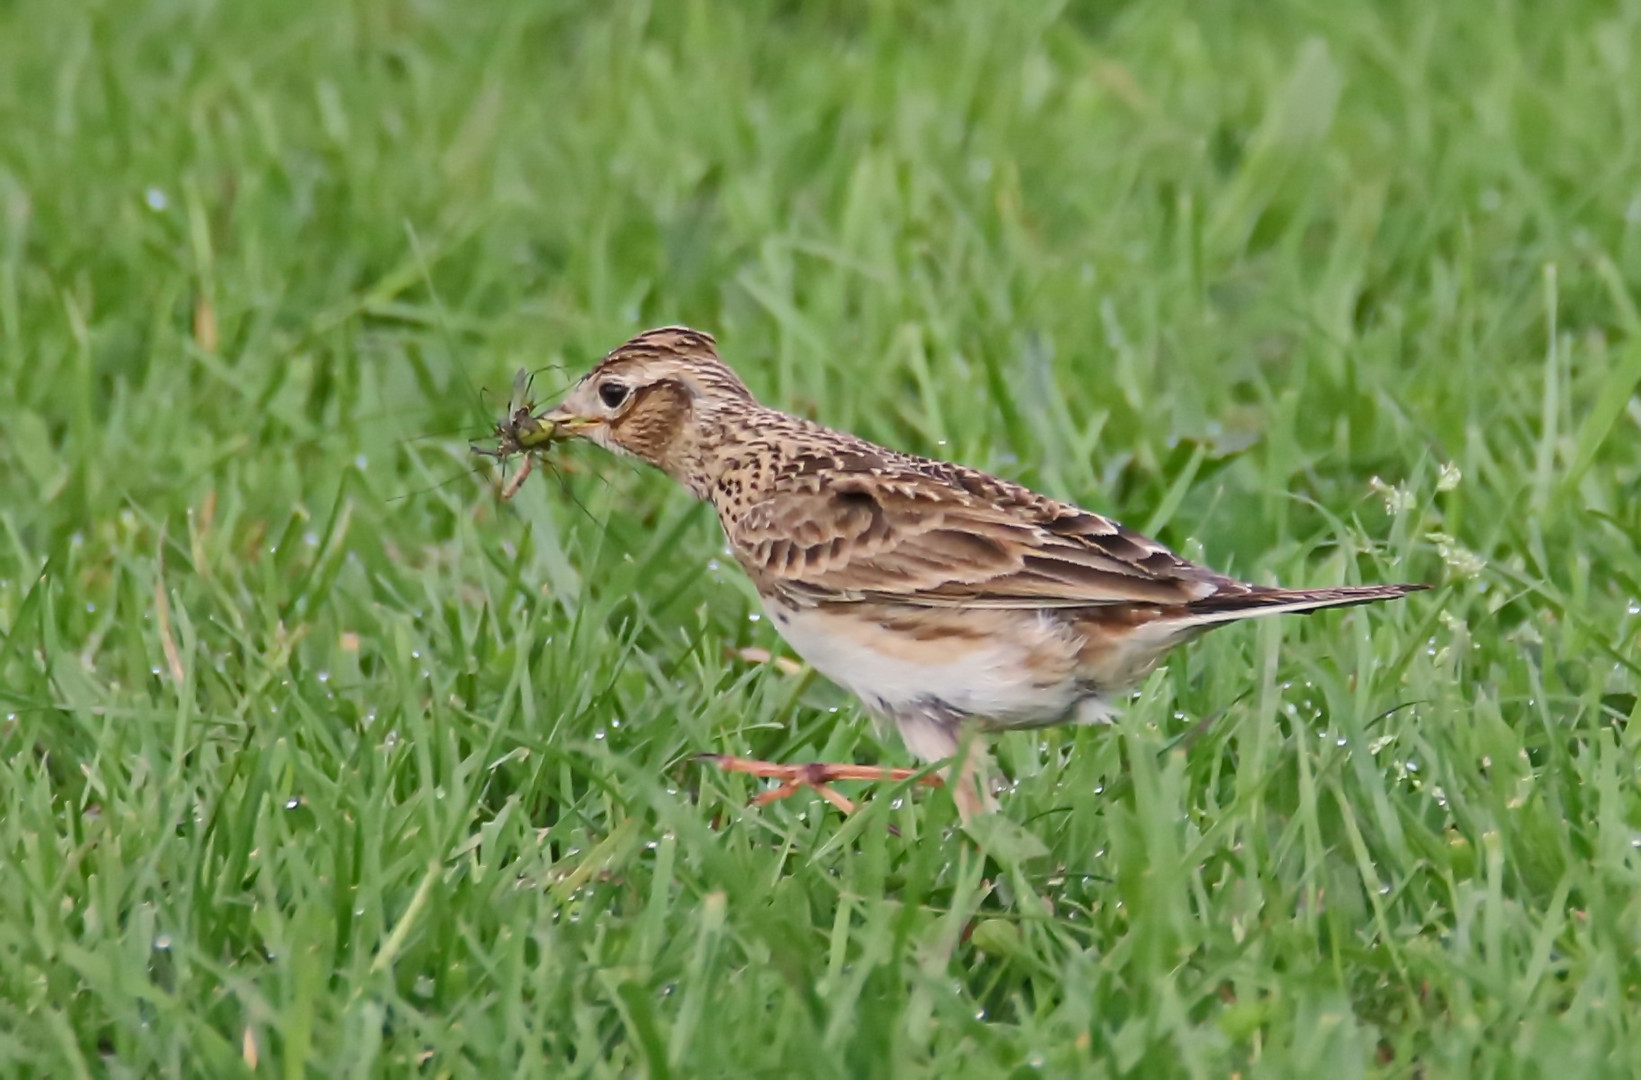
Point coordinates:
[(1230, 606), (1125, 643)]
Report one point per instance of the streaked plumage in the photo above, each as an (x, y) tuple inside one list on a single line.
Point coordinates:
[(940, 595)]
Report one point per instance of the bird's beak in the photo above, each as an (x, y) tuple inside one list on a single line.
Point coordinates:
[(565, 423)]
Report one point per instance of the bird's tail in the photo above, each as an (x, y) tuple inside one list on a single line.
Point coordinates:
[(1259, 600)]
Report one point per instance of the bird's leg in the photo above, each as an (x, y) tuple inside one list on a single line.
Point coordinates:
[(970, 774), (817, 774)]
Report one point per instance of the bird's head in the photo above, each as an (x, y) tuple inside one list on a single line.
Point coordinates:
[(658, 397)]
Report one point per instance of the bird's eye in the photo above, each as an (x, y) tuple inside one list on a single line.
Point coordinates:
[(612, 394)]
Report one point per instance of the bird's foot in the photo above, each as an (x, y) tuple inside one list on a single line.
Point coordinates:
[(818, 775)]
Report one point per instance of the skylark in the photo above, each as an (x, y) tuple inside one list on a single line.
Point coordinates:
[(951, 602)]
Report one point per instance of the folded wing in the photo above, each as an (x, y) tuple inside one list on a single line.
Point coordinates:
[(882, 531)]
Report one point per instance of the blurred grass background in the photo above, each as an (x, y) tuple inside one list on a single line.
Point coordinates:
[(316, 760)]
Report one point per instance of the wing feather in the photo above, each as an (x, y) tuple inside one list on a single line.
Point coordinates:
[(914, 531)]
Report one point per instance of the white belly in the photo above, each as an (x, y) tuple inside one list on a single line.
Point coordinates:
[(1002, 679)]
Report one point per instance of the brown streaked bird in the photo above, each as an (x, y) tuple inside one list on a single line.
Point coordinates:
[(951, 602)]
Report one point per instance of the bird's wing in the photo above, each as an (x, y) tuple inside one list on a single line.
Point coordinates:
[(914, 531)]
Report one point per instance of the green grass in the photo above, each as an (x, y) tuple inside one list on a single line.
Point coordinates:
[(420, 802)]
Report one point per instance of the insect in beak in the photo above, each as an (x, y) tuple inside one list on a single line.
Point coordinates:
[(523, 432)]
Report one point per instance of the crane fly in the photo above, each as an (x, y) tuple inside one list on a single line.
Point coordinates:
[(522, 432)]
